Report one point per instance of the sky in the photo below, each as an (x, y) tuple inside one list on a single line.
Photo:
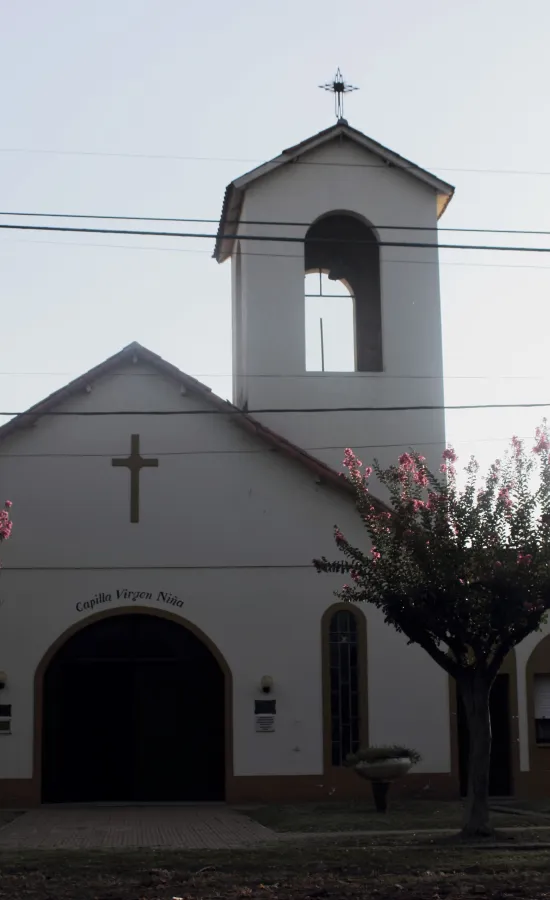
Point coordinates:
[(150, 107)]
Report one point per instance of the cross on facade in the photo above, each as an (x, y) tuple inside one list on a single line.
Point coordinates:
[(135, 463)]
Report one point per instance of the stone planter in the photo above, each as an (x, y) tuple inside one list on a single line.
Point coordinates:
[(381, 773), (383, 769)]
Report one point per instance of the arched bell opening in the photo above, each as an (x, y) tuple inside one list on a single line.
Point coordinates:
[(344, 318)]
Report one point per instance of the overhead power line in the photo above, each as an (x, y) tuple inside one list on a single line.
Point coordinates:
[(138, 568), (263, 450), (390, 262), (378, 376), (258, 161), (230, 411), (271, 238), (267, 222)]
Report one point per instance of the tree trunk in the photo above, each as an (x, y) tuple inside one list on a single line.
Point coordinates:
[(475, 692)]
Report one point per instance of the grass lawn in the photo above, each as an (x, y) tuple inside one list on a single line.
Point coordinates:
[(361, 816), (336, 870)]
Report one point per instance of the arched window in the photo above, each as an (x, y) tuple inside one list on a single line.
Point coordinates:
[(344, 685), (343, 249)]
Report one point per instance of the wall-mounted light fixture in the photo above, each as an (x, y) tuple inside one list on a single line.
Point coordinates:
[(266, 684)]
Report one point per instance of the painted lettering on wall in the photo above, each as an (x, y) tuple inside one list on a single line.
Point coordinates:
[(97, 599), (126, 596)]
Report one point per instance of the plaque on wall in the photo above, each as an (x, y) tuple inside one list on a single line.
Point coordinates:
[(265, 723), (5, 718)]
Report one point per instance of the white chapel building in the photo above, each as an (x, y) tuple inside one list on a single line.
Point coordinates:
[(164, 635)]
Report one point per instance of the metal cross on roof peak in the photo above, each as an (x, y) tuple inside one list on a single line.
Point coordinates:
[(338, 87)]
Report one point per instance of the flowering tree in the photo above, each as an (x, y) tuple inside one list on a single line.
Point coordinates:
[(5, 521), (463, 572)]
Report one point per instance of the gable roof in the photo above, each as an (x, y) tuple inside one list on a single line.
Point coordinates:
[(135, 352), (234, 193)]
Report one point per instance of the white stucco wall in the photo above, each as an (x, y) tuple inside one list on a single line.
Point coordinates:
[(272, 287), (227, 529)]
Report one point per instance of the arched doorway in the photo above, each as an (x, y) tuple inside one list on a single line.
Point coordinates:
[(133, 710)]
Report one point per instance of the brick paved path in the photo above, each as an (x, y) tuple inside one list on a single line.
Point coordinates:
[(177, 827)]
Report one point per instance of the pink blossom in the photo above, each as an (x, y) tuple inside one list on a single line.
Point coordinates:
[(504, 496), (421, 478), (355, 575), (498, 564), (406, 461), (6, 524), (542, 443), (524, 559), (8, 504), (443, 468), (338, 535), (351, 462), (350, 458), (431, 502), (417, 505), (375, 554), (449, 455)]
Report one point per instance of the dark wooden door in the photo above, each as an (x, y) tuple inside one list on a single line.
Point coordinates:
[(159, 689), (179, 711), (134, 715), (500, 774)]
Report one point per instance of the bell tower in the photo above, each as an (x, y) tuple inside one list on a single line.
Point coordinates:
[(341, 211)]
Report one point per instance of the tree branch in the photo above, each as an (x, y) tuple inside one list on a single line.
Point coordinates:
[(442, 659)]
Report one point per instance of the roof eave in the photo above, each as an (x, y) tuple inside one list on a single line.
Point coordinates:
[(231, 214), (133, 352), (234, 194), (443, 201), (324, 474)]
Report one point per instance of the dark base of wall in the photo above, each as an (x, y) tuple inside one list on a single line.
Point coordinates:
[(532, 785), (338, 784), (18, 793)]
